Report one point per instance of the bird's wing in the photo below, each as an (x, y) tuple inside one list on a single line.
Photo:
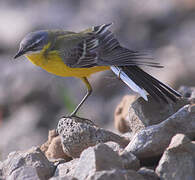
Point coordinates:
[(97, 46), (110, 52), (76, 49)]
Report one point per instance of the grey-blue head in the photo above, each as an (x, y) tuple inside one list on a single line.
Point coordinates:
[(33, 42)]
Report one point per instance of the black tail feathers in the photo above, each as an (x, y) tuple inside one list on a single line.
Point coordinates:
[(159, 91)]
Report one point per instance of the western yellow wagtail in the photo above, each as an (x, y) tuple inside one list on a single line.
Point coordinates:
[(66, 53)]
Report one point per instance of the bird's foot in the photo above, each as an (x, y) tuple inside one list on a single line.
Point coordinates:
[(78, 118), (71, 116)]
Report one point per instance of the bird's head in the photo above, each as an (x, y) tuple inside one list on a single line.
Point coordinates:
[(33, 42)]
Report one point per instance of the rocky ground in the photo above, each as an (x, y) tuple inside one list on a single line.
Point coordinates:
[(156, 141), (32, 100), (158, 144)]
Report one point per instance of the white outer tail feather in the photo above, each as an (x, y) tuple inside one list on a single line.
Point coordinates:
[(129, 82)]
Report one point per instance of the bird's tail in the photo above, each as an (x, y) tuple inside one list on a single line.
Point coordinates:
[(143, 83)]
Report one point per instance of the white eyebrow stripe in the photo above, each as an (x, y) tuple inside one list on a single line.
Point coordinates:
[(33, 52)]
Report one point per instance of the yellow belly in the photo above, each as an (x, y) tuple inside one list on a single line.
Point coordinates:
[(53, 64)]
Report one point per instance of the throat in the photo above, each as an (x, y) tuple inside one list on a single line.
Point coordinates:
[(36, 58), (39, 58)]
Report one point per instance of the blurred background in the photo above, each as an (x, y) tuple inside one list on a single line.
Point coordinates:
[(32, 100)]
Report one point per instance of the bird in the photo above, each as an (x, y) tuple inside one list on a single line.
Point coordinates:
[(80, 54)]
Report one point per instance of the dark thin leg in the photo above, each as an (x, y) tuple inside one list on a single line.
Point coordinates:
[(89, 91)]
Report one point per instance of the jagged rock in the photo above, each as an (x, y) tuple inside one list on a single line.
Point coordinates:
[(130, 161), (153, 140), (78, 134), (31, 163), (148, 174), (53, 147), (115, 174), (66, 169), (97, 158), (178, 161), (135, 114)]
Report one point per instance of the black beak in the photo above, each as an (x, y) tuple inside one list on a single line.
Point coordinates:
[(19, 53)]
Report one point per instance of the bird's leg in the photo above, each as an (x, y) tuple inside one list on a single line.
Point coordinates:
[(89, 91)]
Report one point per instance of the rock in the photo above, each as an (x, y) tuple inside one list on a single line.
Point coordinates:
[(151, 112), (53, 147), (52, 134), (148, 174), (66, 169), (78, 134), (24, 173), (31, 163), (63, 178), (114, 146), (55, 150), (129, 135), (178, 161), (130, 161), (153, 140), (135, 114), (97, 158), (122, 112), (115, 174)]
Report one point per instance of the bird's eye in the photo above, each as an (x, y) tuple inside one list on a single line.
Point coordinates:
[(35, 48), (36, 43)]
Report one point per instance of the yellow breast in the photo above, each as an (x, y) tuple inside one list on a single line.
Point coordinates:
[(54, 64)]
